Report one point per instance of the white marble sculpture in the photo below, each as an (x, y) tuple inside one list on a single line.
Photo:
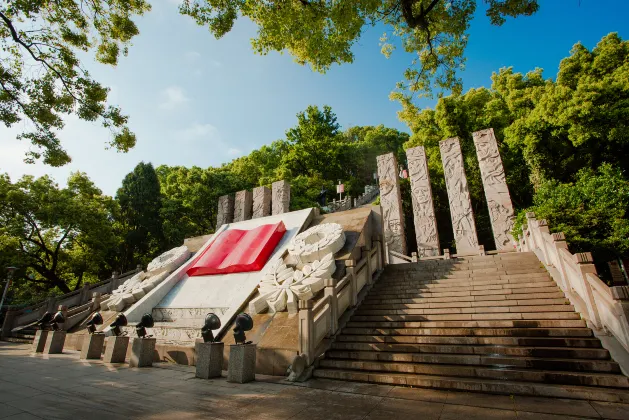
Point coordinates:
[(282, 286), (169, 260), (316, 242)]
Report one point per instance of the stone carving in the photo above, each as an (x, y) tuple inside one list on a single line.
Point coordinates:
[(496, 190), (281, 197), (466, 239), (168, 261), (316, 242), (225, 210), (423, 207), (391, 202), (261, 202), (282, 285), (242, 206)]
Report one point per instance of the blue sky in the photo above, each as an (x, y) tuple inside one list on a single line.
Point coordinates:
[(195, 100)]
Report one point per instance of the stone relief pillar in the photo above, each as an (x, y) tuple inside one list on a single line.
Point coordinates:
[(391, 202), (466, 239), (281, 197), (261, 202), (496, 190), (225, 210), (242, 206), (423, 206)]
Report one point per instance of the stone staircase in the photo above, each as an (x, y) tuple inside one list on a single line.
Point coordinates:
[(496, 324)]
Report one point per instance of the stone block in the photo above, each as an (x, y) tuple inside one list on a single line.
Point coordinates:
[(93, 346), (225, 212), (261, 202), (78, 341), (55, 342), (116, 349), (40, 341), (391, 203), (280, 201), (142, 351), (242, 363), (209, 359), (243, 205)]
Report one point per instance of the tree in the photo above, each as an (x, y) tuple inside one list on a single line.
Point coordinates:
[(41, 77), (140, 202), (322, 32), (59, 237)]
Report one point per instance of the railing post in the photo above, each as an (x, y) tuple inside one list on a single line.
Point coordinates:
[(530, 238), (7, 325), (112, 283), (306, 330), (330, 290), (585, 266), (446, 254), (351, 272), (542, 227), (559, 241), (138, 268), (84, 295), (414, 257)]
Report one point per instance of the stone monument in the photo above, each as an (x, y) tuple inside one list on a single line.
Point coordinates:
[(209, 359), (242, 363), (423, 206), (142, 351), (466, 239), (55, 342), (225, 210), (116, 349), (261, 202), (391, 202), (496, 191), (280, 197), (242, 206), (92, 346)]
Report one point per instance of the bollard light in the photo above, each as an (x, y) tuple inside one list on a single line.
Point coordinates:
[(95, 319), (56, 320), (145, 322), (212, 322), (243, 323), (120, 321)]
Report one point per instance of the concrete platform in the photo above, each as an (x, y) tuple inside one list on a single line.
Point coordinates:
[(63, 387)]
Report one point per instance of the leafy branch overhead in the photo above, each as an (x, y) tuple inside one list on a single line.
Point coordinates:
[(42, 78), (321, 33)]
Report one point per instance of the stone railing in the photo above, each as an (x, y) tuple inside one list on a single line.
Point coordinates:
[(323, 319), (606, 309), (340, 205), (371, 192), (75, 301)]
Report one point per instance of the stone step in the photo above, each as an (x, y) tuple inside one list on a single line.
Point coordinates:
[(424, 267), (358, 328), (510, 323), (550, 364), (521, 351), (353, 336), (488, 298), (452, 282), (466, 290), (468, 304), (503, 374), (462, 274), (469, 317), (476, 310), (479, 385)]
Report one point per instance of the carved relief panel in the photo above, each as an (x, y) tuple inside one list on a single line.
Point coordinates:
[(280, 197), (391, 202), (225, 210), (242, 206), (261, 202)]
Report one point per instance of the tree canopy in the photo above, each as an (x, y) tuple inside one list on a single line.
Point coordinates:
[(321, 33), (42, 78)]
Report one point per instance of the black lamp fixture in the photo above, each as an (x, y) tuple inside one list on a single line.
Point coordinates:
[(243, 323), (43, 322), (56, 320), (145, 322), (95, 319), (120, 321), (212, 322)]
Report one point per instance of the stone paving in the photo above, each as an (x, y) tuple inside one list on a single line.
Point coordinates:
[(64, 387)]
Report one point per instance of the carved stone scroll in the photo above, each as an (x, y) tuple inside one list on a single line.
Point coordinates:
[(281, 197), (423, 207), (466, 239), (242, 206), (225, 210), (496, 191), (391, 202), (261, 202)]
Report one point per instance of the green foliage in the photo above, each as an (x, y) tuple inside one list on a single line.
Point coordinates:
[(59, 238), (593, 211), (41, 77), (322, 33)]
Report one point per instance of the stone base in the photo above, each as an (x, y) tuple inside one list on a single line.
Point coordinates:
[(78, 341), (55, 342), (242, 363), (40, 341), (142, 351), (92, 346), (116, 350), (209, 359)]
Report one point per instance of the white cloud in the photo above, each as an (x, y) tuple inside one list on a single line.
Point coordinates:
[(173, 97), (197, 131), (234, 152)]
